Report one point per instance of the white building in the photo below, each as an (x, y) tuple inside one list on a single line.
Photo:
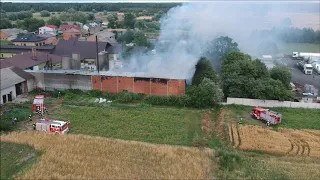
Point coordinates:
[(14, 82), (48, 29)]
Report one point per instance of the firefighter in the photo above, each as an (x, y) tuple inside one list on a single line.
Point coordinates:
[(14, 121), (240, 122), (30, 117), (34, 126), (268, 123), (46, 110)]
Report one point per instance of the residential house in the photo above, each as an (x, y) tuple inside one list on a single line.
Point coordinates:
[(103, 36), (3, 36), (34, 60), (50, 38), (86, 49), (48, 29), (91, 28), (29, 39), (14, 81), (71, 33), (144, 18), (8, 51), (12, 33), (118, 31), (65, 27)]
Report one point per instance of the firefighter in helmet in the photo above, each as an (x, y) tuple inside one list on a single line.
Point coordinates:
[(34, 126), (268, 123), (30, 117)]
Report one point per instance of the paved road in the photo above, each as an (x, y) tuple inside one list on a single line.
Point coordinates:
[(299, 77)]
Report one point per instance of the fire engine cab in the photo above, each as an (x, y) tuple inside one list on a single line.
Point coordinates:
[(38, 103), (52, 126), (266, 115)]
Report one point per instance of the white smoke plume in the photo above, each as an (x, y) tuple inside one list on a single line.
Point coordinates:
[(189, 28)]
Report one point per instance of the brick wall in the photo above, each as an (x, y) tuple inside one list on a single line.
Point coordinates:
[(150, 86)]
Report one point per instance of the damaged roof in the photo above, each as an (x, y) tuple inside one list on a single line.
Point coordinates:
[(30, 37)]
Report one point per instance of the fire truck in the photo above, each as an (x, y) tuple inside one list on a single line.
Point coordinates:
[(266, 115), (52, 126), (38, 104)]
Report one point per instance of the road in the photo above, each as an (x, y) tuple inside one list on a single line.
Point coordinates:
[(298, 76)]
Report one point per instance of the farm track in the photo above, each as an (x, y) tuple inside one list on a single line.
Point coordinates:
[(299, 147), (234, 135)]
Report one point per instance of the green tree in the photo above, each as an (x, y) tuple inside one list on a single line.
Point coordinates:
[(91, 16), (44, 13), (54, 21), (206, 94), (140, 39), (32, 10), (127, 37), (204, 69), (129, 20), (30, 24), (105, 12), (71, 10), (140, 24), (282, 74), (93, 11), (5, 23), (112, 21)]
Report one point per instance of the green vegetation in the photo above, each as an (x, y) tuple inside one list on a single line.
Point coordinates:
[(5, 42), (296, 118), (288, 48), (16, 158), (54, 21), (44, 13), (30, 24), (155, 125), (21, 112)]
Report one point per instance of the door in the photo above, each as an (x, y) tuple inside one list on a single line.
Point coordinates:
[(18, 89), (10, 96), (4, 99)]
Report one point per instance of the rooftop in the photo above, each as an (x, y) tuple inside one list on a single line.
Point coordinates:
[(30, 37), (50, 26), (12, 75), (25, 60)]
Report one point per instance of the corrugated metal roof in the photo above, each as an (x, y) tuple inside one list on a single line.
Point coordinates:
[(9, 78)]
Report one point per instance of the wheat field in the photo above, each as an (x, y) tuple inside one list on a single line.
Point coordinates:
[(285, 141), (85, 157)]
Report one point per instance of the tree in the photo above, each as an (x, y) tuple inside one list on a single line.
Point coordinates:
[(32, 10), (140, 39), (112, 21), (129, 20), (105, 12), (206, 94), (31, 24), (282, 74), (268, 48), (127, 37), (54, 21), (90, 16), (5, 23), (93, 11), (204, 69), (219, 48), (140, 24), (44, 13), (71, 10)]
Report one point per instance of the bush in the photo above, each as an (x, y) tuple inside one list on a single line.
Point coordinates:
[(20, 112), (44, 13), (6, 126), (95, 93), (127, 97), (228, 160), (168, 100)]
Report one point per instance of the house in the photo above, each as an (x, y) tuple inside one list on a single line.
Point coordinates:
[(3, 35), (12, 33), (144, 18), (71, 33), (118, 31), (92, 28), (86, 49), (103, 36), (64, 27), (8, 51), (14, 81), (33, 60), (29, 39), (50, 38), (48, 29)]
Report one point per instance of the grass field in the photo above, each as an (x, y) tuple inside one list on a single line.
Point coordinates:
[(156, 125), (296, 118), (37, 15), (16, 158), (5, 42), (299, 47)]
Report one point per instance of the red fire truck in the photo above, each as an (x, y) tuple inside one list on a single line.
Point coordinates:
[(38, 104), (266, 115), (52, 126)]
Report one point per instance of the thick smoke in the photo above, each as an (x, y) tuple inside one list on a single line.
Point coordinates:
[(187, 30)]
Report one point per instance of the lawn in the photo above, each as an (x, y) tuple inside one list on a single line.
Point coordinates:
[(5, 42), (156, 125), (296, 118), (15, 158), (37, 15), (299, 47)]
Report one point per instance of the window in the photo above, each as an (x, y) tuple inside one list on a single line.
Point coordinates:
[(1, 55), (24, 44)]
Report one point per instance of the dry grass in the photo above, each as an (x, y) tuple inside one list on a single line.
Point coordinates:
[(285, 141), (85, 157)]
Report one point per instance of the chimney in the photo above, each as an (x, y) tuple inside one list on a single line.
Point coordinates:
[(34, 54)]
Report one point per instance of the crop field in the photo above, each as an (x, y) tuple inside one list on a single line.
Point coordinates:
[(156, 125), (283, 141), (85, 157), (299, 47)]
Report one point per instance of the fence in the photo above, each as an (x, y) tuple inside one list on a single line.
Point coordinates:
[(272, 103)]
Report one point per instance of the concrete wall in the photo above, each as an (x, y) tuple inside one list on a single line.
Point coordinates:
[(31, 84), (272, 103), (7, 91), (39, 43), (65, 81), (150, 86)]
